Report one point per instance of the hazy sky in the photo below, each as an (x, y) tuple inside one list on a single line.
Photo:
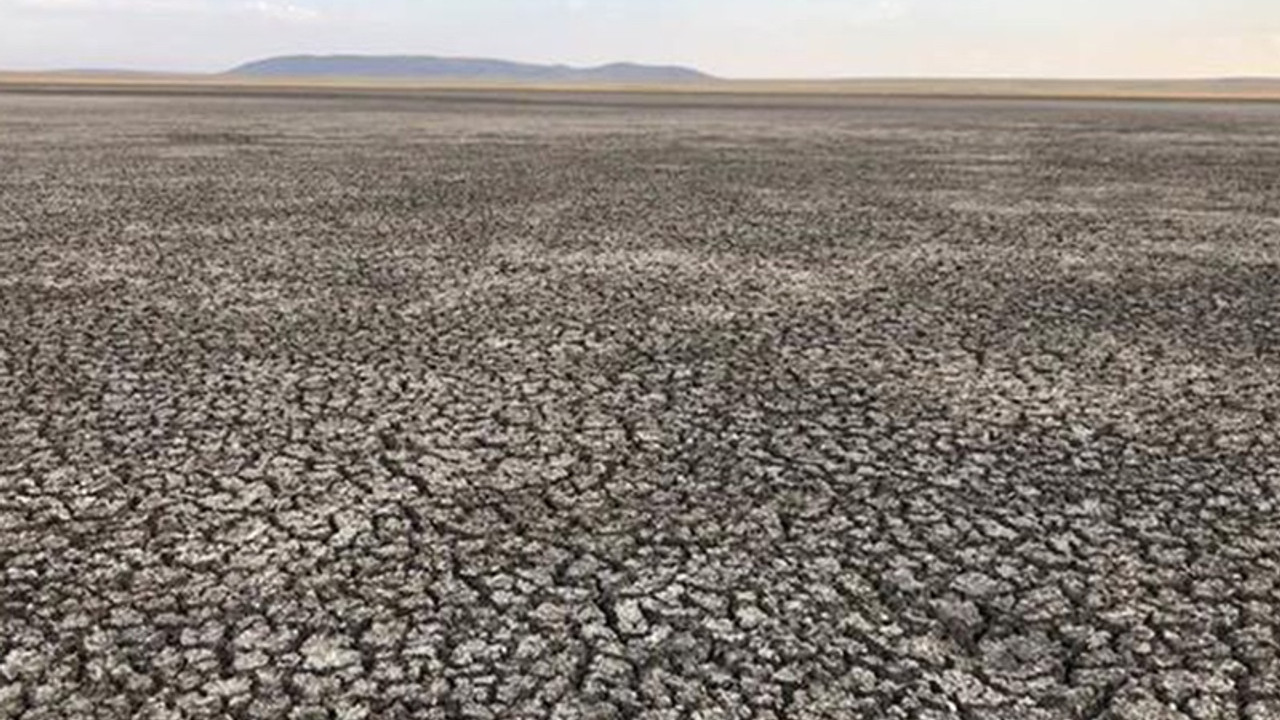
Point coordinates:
[(734, 38)]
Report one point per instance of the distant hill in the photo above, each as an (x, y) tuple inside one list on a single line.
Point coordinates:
[(444, 68)]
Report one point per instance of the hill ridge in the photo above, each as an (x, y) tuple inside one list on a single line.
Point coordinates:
[(468, 68)]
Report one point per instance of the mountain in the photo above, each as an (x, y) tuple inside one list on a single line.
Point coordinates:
[(446, 68)]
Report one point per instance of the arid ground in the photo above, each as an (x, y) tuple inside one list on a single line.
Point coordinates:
[(486, 405)]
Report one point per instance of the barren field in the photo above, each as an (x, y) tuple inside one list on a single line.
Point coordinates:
[(638, 406), (1259, 89)]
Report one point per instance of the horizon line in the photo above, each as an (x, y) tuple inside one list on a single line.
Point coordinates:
[(709, 77)]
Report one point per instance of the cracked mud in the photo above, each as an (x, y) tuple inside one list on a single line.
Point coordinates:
[(597, 407)]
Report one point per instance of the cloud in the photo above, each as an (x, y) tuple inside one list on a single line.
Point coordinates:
[(135, 6), (283, 11), (274, 10), (813, 16)]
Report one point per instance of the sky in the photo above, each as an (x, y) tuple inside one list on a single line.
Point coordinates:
[(730, 38)]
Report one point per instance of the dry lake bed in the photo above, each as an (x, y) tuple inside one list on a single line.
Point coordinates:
[(607, 405)]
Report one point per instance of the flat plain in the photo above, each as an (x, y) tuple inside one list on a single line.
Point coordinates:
[(497, 404)]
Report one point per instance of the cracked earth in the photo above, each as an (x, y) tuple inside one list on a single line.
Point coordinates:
[(638, 407)]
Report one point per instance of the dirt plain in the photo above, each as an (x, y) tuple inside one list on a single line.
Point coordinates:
[(638, 406), (1257, 89)]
